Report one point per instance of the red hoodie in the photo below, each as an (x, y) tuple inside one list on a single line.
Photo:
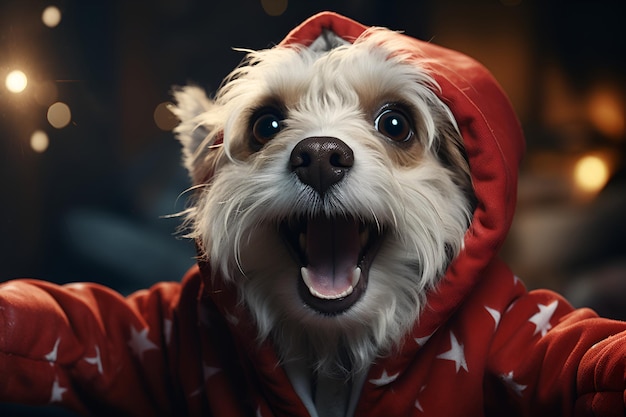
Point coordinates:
[(483, 346)]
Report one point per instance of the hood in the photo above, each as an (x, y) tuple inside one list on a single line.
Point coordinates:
[(493, 141)]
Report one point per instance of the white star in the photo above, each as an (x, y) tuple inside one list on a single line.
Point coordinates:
[(52, 356), (384, 379), (541, 320), (508, 380), (510, 307), (455, 354), (139, 341), (422, 340), (232, 319), (96, 360), (417, 402), (418, 405), (209, 371), (495, 314), (197, 391), (57, 392)]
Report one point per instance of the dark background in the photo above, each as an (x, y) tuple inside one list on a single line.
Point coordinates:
[(91, 207)]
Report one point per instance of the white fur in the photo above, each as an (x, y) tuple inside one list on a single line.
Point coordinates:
[(236, 215)]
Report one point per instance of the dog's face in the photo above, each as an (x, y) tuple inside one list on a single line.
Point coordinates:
[(339, 193)]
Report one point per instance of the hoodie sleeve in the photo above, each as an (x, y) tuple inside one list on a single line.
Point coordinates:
[(85, 347), (548, 359)]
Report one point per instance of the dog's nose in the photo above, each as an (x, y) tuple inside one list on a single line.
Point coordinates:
[(321, 161)]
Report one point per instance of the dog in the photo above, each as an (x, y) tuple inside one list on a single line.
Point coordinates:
[(351, 189), (339, 194)]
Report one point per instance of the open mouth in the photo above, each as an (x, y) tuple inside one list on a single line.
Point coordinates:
[(335, 255)]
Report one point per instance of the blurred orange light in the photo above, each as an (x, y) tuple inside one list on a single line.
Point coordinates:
[(59, 115), (606, 112), (51, 16), (164, 118), (591, 173), (16, 81), (274, 7)]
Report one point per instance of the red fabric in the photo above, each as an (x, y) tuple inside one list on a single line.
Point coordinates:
[(485, 346)]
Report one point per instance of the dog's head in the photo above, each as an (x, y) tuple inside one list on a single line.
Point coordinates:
[(333, 190)]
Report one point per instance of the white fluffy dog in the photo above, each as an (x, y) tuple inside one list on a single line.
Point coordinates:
[(338, 194)]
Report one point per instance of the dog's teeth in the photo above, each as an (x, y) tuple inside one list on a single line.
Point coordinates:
[(307, 281), (343, 294), (356, 276), (346, 292)]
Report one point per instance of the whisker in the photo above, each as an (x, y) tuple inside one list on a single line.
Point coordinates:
[(188, 190)]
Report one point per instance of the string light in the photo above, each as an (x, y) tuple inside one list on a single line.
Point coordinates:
[(606, 112), (164, 118), (51, 16), (591, 173), (39, 141), (274, 7), (16, 81), (59, 115)]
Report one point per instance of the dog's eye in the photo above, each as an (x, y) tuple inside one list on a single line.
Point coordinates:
[(265, 126), (394, 124)]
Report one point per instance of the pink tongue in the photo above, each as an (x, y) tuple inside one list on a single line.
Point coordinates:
[(332, 250)]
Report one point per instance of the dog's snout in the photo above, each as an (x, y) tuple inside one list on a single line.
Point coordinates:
[(321, 161)]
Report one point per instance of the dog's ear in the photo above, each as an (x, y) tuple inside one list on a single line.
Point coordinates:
[(451, 152), (195, 131), (326, 41)]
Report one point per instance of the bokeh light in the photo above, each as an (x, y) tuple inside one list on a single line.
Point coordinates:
[(16, 81), (164, 118), (51, 16), (591, 173), (39, 141), (59, 115), (606, 112), (274, 7)]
